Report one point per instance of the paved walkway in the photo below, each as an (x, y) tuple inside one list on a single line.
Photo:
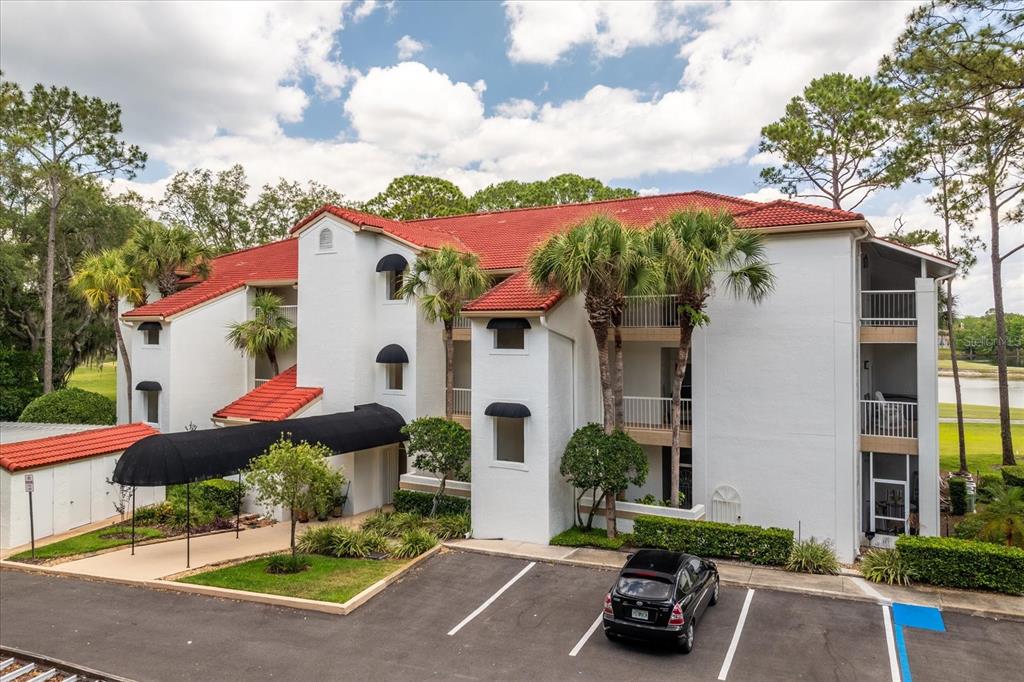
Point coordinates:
[(159, 560), (849, 585)]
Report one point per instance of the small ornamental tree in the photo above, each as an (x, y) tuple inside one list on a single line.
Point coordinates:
[(594, 460), (295, 476), (439, 446)]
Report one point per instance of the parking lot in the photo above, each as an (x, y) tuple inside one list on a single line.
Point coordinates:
[(462, 615)]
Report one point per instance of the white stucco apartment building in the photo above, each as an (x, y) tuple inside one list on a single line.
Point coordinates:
[(814, 410)]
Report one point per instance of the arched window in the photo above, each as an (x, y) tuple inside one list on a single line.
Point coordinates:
[(326, 239), (725, 505)]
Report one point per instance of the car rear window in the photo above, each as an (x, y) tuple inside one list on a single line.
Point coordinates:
[(642, 587)]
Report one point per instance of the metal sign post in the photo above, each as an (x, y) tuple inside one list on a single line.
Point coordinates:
[(30, 485)]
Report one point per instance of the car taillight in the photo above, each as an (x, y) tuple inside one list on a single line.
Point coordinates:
[(677, 615), (608, 605)]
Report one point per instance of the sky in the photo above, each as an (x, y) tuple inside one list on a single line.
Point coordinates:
[(659, 97)]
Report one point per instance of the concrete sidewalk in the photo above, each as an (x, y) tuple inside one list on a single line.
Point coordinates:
[(848, 585)]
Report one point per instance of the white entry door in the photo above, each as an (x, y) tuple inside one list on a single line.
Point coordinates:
[(79, 493)]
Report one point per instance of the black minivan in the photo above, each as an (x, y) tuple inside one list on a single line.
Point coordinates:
[(659, 596)]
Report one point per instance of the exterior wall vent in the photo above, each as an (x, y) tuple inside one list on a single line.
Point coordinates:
[(326, 239), (725, 505)]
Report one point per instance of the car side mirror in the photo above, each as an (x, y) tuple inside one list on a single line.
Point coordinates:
[(629, 556)]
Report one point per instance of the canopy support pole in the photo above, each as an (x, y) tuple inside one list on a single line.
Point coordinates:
[(238, 504), (188, 525), (133, 520)]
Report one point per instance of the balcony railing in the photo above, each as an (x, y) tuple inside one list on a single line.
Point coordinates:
[(651, 311), (259, 382), (892, 308), (291, 312), (654, 413), (886, 418), (462, 401), (460, 322)]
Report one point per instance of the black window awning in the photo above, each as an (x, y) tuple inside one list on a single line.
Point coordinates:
[(148, 386), (189, 456), (392, 263), (508, 323), (509, 410), (392, 354), (147, 326)]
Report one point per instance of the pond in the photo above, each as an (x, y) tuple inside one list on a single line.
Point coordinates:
[(979, 391)]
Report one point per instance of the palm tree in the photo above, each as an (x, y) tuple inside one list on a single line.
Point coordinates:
[(267, 332), (444, 281), (1003, 517), (103, 279), (694, 248), (159, 253)]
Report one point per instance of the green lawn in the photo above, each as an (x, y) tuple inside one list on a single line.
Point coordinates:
[(978, 411), (328, 579), (100, 379), (983, 449), (92, 541)]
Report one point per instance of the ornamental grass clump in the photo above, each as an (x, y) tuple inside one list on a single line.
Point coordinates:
[(358, 544), (450, 526), (392, 524), (414, 543), (288, 563), (886, 566), (812, 556)]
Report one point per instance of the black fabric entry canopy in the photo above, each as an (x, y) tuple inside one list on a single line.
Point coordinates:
[(148, 386), (146, 326), (511, 410), (509, 323), (392, 263), (189, 456), (392, 354)]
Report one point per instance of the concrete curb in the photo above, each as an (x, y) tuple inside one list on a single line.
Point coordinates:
[(752, 582), (334, 608)]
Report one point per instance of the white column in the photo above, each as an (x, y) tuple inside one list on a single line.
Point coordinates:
[(927, 404)]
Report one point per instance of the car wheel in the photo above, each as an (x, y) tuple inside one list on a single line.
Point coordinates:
[(686, 644), (714, 595)]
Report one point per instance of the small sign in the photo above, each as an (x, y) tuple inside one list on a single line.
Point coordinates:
[(30, 484)]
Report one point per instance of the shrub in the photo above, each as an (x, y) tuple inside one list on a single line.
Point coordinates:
[(287, 563), (952, 562), (595, 537), (450, 526), (886, 566), (70, 406), (765, 546), (357, 544), (392, 524), (969, 528), (155, 514), (414, 543), (19, 381), (986, 483), (811, 556), (416, 502), (318, 540), (1012, 475), (958, 496)]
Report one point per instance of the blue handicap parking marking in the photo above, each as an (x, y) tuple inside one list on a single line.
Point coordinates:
[(913, 616)]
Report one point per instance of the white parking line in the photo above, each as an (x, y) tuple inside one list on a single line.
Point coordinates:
[(890, 644), (491, 599), (736, 636), (586, 635)]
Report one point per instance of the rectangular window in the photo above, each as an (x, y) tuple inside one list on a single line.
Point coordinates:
[(509, 447), (394, 376), (151, 337), (394, 280), (152, 406), (510, 339)]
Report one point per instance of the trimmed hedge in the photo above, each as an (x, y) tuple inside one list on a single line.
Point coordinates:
[(415, 502), (958, 496), (70, 406), (1013, 475), (765, 546), (967, 564)]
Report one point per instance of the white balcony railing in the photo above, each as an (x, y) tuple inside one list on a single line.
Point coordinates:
[(291, 312), (890, 308), (886, 418), (651, 311), (259, 382), (460, 322), (654, 413), (462, 400)]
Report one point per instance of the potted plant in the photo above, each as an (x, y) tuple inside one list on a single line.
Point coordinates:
[(302, 514), (338, 510)]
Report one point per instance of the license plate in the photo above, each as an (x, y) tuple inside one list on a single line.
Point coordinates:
[(640, 614)]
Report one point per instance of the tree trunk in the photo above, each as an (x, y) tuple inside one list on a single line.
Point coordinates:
[(950, 322), (618, 389), (51, 254), (272, 356), (449, 371), (125, 360), (997, 297), (601, 338), (292, 521), (682, 354), (609, 513), (166, 283)]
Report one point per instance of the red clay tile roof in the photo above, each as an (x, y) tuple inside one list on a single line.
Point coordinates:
[(515, 293), (277, 261), (407, 231), (782, 212), (29, 454), (275, 400)]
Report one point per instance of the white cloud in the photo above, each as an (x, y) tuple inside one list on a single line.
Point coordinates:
[(368, 7), (516, 108), (542, 32), (408, 47), (648, 191)]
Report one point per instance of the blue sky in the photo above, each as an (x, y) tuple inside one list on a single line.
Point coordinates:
[(658, 97)]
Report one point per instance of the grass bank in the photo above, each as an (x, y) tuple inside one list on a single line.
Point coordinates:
[(948, 410), (101, 378), (93, 541), (983, 446), (327, 579)]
